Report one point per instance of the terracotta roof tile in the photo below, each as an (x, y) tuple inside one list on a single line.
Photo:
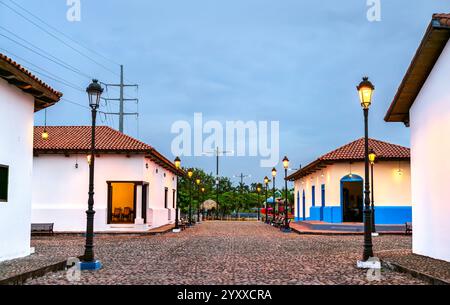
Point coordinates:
[(18, 66), (75, 138), (354, 151), (70, 139), (444, 19)]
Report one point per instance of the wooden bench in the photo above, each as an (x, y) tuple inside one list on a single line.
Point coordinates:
[(408, 228), (42, 228)]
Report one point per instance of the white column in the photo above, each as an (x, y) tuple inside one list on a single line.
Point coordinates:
[(138, 217)]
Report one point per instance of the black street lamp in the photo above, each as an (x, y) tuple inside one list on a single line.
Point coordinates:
[(286, 214), (203, 201), (190, 174), (94, 92), (365, 89), (258, 190), (178, 167), (266, 185), (372, 158), (197, 181), (274, 174)]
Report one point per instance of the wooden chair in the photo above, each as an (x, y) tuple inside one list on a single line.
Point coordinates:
[(117, 214), (127, 214)]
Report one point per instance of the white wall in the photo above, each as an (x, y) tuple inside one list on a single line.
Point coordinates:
[(390, 188), (160, 178), (430, 147), (60, 191), (16, 142)]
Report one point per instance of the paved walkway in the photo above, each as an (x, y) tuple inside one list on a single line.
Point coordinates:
[(226, 253), (437, 269)]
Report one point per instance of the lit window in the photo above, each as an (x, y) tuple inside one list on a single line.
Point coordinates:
[(4, 172)]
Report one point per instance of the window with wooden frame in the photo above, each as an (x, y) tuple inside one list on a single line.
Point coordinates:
[(4, 175), (166, 190)]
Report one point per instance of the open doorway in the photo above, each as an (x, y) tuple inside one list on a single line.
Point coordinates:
[(122, 202), (352, 198)]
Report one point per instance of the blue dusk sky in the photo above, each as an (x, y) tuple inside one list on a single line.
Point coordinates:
[(292, 61)]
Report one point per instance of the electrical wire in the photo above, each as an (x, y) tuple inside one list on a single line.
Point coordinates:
[(63, 34), (59, 39)]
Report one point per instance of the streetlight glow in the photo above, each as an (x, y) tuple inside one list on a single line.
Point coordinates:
[(286, 163), (365, 89)]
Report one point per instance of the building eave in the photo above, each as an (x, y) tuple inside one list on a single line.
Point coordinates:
[(433, 43), (319, 165), (16, 75)]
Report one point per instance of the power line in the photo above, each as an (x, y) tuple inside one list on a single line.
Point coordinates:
[(63, 34), (48, 57), (59, 39), (49, 75)]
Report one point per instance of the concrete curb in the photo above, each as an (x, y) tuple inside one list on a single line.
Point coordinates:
[(414, 273), (20, 279)]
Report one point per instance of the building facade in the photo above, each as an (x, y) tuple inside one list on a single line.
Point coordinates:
[(135, 186), (423, 103), (331, 188), (21, 95)]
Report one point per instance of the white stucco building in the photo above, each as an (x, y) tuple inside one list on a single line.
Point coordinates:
[(21, 94), (135, 186), (423, 103), (330, 189)]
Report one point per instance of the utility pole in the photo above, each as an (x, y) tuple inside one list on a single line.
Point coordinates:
[(121, 99), (217, 153), (241, 189)]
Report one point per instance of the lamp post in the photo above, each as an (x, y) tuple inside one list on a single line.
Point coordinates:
[(365, 89), (372, 158), (178, 167), (274, 174), (266, 185), (94, 91), (197, 181), (203, 200), (190, 174), (258, 190), (286, 214)]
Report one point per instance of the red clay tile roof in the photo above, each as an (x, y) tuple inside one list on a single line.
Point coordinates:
[(433, 43), (353, 152), (20, 77), (444, 19), (76, 139)]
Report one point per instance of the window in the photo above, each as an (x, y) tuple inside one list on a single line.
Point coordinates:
[(165, 197), (313, 195), (4, 172), (323, 195), (174, 197)]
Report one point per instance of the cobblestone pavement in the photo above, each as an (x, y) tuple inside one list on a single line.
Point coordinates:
[(436, 268), (227, 253)]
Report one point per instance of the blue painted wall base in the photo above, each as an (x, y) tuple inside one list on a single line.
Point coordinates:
[(95, 265), (384, 215)]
